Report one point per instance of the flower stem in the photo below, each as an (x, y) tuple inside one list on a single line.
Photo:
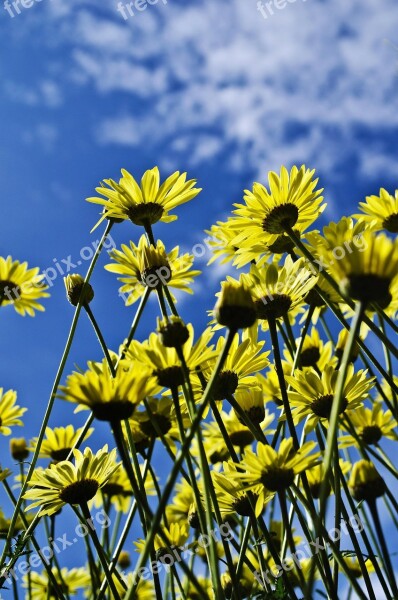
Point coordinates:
[(100, 338)]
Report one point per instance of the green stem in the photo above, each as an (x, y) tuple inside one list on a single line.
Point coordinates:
[(178, 461), (97, 544), (386, 555), (100, 338), (333, 424), (48, 411)]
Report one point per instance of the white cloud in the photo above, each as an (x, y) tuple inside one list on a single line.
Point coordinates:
[(299, 86)]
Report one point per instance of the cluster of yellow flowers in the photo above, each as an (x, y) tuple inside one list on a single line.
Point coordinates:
[(261, 417)]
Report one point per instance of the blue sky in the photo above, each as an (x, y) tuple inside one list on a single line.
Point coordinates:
[(211, 87)]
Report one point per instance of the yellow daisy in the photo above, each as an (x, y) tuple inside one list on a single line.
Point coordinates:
[(9, 411), (220, 241), (244, 360), (180, 508), (58, 442), (21, 287), (231, 498), (274, 470), (145, 266), (110, 398), (370, 425), (315, 353), (69, 581), (292, 202), (147, 202), (312, 395), (279, 290), (365, 268), (164, 362), (269, 383), (68, 483), (380, 212)]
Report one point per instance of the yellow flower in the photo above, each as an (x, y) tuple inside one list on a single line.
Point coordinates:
[(234, 308), (19, 525), (231, 498), (269, 383), (21, 287), (244, 360), (164, 362), (380, 212), (110, 398), (315, 353), (312, 394), (9, 411), (316, 476), (74, 285), (220, 241), (365, 482), (147, 202), (292, 202), (59, 442), (176, 534), (68, 483), (274, 470), (365, 267), (69, 581), (19, 449), (277, 290), (145, 266), (370, 425), (180, 507), (354, 566)]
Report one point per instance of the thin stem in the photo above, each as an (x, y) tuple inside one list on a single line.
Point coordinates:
[(386, 555), (104, 562), (100, 338), (48, 412)]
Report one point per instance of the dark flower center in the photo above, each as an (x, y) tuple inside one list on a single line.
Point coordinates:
[(61, 454), (281, 218), (79, 491), (282, 244), (369, 490), (157, 423), (310, 356), (391, 223), (154, 276), (116, 410), (225, 385), (9, 291), (273, 306), (370, 288), (277, 479), (322, 406), (371, 434), (146, 213), (241, 438), (313, 299), (115, 489), (170, 377), (242, 505)]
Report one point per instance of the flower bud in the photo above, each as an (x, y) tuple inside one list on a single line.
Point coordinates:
[(173, 333), (235, 307), (74, 287), (19, 449), (365, 482)]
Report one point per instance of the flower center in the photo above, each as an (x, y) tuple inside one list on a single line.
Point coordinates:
[(116, 410), (391, 223), (170, 377), (281, 218), (146, 213), (241, 438), (310, 356), (115, 489), (371, 434), (61, 454), (273, 306), (154, 276), (282, 244), (313, 299), (277, 479), (158, 423), (79, 491), (9, 291), (225, 385), (370, 288), (322, 406), (242, 505)]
